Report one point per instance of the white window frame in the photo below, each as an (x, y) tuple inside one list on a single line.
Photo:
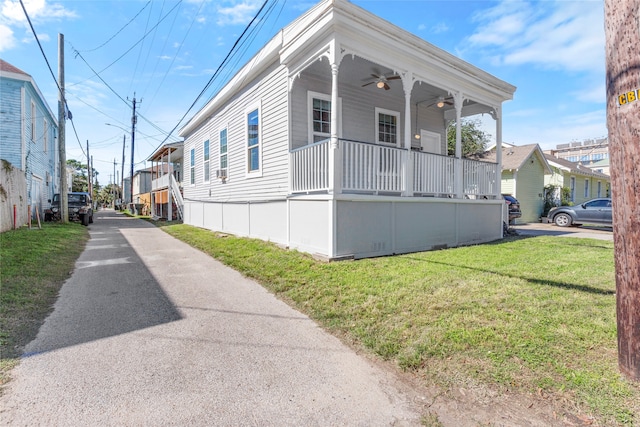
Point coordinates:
[(33, 121), (323, 96), (192, 167), (45, 134), (258, 172), (572, 187), (379, 111), (226, 153), (586, 188), (206, 162)]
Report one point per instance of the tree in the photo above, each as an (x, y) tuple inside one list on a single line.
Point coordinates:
[(622, 37), (80, 181), (474, 140)]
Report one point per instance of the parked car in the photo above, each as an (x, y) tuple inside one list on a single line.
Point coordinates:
[(513, 207), (80, 208), (595, 211)]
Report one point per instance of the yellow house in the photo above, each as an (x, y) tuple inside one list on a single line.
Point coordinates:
[(583, 182)]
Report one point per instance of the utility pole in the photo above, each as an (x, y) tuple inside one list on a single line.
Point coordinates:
[(62, 115), (134, 119), (89, 186), (113, 185), (622, 35), (124, 138)]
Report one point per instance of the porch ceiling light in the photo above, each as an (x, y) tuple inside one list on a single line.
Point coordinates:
[(440, 103), (380, 84)]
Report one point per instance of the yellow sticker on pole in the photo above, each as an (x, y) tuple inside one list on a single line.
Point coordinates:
[(628, 97)]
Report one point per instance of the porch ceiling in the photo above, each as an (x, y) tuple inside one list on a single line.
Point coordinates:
[(357, 71)]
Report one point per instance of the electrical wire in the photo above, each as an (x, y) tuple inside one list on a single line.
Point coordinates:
[(120, 30), (68, 114), (216, 73)]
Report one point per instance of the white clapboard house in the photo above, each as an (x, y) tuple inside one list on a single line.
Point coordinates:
[(331, 140)]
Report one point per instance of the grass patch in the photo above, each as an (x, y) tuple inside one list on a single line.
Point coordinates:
[(529, 315), (33, 266)]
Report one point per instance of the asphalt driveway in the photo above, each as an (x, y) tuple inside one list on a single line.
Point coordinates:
[(149, 331), (584, 231)]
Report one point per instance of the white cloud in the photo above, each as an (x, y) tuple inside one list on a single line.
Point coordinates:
[(552, 34), (7, 40), (422, 27), (587, 125), (12, 16), (238, 13), (439, 28), (12, 12)]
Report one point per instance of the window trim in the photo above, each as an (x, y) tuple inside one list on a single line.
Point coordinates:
[(206, 162), (586, 188), (192, 167), (225, 129), (311, 95), (33, 121), (250, 109), (45, 134), (379, 111)]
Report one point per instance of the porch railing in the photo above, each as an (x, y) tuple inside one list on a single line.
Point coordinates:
[(160, 182), (310, 168), (372, 168), (377, 169), (433, 174), (479, 178)]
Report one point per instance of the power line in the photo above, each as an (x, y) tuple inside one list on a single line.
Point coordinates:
[(120, 30), (215, 74)]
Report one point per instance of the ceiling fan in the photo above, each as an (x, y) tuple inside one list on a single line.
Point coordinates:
[(381, 80), (441, 101)]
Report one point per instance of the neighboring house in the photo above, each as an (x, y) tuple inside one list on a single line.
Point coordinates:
[(523, 176), (332, 140), (142, 189), (601, 166), (28, 135), (583, 182), (166, 195)]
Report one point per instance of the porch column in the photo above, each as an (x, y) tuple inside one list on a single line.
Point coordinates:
[(407, 83), (335, 155), (335, 158), (497, 116), (459, 176)]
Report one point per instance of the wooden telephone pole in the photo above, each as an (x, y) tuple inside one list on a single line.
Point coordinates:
[(622, 31)]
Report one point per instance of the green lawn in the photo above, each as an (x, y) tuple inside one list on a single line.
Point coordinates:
[(530, 315), (34, 263)]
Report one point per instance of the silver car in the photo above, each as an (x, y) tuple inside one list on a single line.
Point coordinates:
[(596, 211)]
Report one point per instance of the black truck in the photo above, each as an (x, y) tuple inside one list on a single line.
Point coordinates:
[(80, 208)]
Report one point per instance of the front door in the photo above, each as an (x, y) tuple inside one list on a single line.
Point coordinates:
[(430, 142)]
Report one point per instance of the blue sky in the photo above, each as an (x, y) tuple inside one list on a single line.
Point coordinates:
[(165, 52)]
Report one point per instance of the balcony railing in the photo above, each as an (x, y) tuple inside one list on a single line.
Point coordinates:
[(377, 169)]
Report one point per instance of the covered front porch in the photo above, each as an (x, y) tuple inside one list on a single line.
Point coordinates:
[(166, 182), (367, 168)]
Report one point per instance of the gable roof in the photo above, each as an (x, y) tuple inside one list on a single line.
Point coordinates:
[(12, 72), (515, 156), (8, 68), (574, 168), (307, 38)]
